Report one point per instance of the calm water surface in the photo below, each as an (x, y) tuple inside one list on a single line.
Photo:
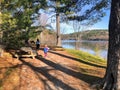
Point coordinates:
[(97, 48)]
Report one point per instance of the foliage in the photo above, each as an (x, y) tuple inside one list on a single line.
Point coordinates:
[(87, 12), (18, 18), (20, 15), (88, 34), (90, 10), (13, 39), (80, 10), (100, 34)]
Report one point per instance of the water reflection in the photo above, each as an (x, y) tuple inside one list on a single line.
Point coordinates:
[(98, 48)]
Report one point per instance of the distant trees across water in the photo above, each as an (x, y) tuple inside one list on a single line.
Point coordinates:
[(88, 35)]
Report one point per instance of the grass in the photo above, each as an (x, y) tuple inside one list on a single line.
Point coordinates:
[(92, 66), (87, 68), (86, 57)]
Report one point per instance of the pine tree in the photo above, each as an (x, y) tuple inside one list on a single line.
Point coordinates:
[(18, 17), (80, 10)]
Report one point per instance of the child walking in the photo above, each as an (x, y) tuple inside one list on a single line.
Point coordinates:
[(45, 51)]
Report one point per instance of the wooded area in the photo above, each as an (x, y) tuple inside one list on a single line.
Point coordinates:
[(98, 35), (17, 18)]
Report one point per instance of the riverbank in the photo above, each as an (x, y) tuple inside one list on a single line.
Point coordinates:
[(96, 48), (86, 57), (97, 34), (61, 70)]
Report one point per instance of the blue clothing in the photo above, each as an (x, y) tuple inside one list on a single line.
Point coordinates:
[(37, 42), (45, 50)]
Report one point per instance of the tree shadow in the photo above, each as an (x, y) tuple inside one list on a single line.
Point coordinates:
[(45, 72), (87, 78), (79, 60), (57, 82), (8, 71)]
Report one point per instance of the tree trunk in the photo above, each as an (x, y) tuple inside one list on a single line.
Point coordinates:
[(112, 76), (58, 30), (1, 32)]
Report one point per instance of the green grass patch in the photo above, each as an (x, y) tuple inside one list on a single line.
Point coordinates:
[(92, 68), (86, 57)]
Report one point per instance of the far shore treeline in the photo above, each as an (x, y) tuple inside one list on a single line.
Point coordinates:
[(98, 34)]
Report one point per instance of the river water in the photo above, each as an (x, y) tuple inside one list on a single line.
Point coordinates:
[(97, 48)]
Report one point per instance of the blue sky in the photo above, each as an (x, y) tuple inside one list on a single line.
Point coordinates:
[(67, 28), (103, 24)]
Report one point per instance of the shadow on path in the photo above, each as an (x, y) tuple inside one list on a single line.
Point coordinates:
[(77, 59), (44, 72), (70, 72)]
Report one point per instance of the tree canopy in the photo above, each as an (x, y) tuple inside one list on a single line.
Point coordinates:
[(20, 15), (80, 10)]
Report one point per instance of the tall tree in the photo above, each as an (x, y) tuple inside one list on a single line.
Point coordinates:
[(59, 7), (20, 13), (80, 10), (112, 76)]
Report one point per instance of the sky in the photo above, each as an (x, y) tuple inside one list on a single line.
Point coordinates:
[(103, 24), (67, 28)]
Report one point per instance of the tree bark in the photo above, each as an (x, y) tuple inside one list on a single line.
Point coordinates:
[(112, 76), (58, 30), (1, 32)]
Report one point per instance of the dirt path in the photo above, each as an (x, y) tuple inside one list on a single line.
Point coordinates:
[(56, 72)]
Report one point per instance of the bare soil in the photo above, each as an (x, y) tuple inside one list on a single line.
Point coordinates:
[(58, 71)]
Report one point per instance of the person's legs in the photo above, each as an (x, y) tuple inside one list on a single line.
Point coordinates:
[(37, 46), (45, 55)]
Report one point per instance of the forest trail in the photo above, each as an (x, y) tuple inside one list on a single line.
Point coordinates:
[(58, 71)]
